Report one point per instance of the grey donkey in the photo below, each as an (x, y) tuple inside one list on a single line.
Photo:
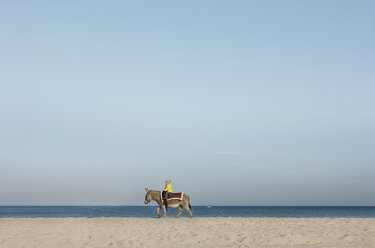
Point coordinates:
[(175, 200)]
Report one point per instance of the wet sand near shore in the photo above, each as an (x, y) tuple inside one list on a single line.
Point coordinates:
[(187, 232)]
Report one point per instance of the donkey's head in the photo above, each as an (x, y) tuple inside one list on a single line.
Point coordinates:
[(147, 196)]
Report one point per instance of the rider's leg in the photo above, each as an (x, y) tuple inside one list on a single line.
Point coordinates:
[(166, 200)]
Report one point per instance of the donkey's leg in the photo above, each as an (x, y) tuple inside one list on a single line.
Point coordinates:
[(180, 211), (189, 210), (164, 211), (186, 205), (157, 211)]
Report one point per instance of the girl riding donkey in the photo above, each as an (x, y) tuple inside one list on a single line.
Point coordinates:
[(166, 191)]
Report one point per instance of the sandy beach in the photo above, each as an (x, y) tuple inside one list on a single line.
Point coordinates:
[(186, 232)]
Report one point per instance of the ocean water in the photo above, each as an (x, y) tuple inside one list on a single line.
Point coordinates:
[(198, 211)]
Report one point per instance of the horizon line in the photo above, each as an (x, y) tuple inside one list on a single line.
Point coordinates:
[(54, 205)]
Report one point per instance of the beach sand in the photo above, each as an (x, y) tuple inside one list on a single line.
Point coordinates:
[(186, 232)]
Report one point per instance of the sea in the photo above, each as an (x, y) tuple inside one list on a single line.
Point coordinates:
[(198, 211)]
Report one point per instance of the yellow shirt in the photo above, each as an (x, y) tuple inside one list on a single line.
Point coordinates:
[(168, 188)]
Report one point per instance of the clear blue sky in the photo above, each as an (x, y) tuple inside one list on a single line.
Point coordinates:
[(238, 102)]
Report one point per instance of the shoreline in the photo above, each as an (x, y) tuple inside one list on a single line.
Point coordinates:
[(184, 217)]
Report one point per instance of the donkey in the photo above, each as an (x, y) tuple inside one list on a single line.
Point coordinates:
[(183, 201)]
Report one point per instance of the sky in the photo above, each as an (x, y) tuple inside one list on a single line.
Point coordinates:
[(237, 102)]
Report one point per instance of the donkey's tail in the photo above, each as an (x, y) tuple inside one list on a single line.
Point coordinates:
[(189, 203)]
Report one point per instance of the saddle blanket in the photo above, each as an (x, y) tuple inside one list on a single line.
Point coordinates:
[(174, 196)]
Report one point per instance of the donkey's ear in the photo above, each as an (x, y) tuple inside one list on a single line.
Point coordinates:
[(146, 189)]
